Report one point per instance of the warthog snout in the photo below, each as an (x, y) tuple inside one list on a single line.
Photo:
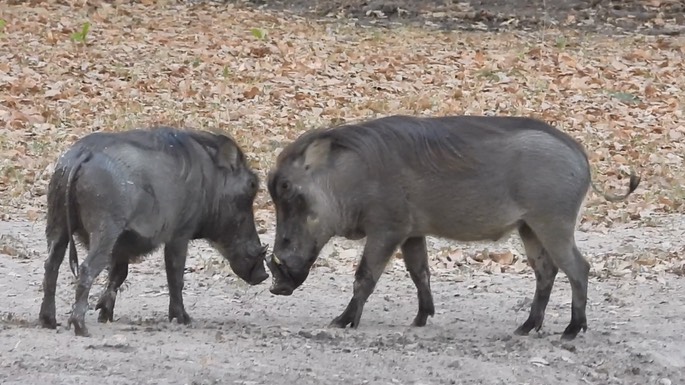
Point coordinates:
[(285, 279), (247, 262), (259, 274)]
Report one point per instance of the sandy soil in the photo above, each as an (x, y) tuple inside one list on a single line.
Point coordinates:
[(245, 335), (658, 17)]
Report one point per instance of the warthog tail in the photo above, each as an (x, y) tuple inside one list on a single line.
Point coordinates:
[(634, 182), (73, 255)]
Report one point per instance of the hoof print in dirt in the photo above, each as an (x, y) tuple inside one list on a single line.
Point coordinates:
[(116, 342)]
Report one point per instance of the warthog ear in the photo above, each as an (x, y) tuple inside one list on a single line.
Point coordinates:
[(316, 153), (228, 155), (223, 150)]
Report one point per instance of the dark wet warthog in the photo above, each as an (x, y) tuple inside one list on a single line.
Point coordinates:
[(125, 194), (397, 179)]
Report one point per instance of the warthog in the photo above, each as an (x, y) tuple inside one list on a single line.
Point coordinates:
[(125, 194), (398, 179)]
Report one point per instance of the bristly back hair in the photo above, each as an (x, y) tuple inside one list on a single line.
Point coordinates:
[(438, 142), (170, 140), (379, 141)]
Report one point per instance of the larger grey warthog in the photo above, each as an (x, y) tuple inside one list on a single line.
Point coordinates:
[(125, 194), (397, 179)]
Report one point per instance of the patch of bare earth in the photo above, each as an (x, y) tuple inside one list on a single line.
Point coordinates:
[(265, 77), (651, 17)]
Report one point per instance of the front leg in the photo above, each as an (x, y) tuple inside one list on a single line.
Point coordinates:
[(377, 253), (175, 260)]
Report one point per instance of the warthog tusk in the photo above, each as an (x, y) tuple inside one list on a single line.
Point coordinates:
[(275, 259)]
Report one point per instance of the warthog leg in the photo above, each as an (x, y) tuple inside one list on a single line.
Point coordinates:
[(416, 261), (175, 260), (377, 253), (100, 253), (117, 276), (545, 273), (558, 241), (578, 271), (58, 248)]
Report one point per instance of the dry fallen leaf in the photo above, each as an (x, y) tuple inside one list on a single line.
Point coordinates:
[(503, 258), (481, 256), (251, 93), (520, 266), (32, 214), (620, 96)]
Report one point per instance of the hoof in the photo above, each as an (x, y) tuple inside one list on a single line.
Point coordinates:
[(340, 322), (420, 320), (337, 324), (80, 328), (572, 331), (105, 316), (106, 308), (529, 325), (180, 315), (48, 321)]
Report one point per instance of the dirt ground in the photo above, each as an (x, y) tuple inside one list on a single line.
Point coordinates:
[(245, 335), (655, 17)]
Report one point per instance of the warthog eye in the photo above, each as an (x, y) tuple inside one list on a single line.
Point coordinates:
[(285, 185)]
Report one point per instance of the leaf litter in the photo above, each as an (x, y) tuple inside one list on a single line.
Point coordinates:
[(68, 68)]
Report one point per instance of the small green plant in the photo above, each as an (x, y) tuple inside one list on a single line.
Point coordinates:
[(82, 35), (561, 42), (516, 73), (625, 97), (38, 147), (259, 33), (488, 74), (226, 73), (3, 23)]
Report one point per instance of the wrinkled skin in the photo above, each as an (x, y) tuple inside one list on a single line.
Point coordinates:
[(398, 179), (126, 194)]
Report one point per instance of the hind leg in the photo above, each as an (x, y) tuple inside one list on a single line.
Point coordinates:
[(558, 240), (416, 261), (58, 247), (545, 273), (117, 276), (580, 271), (101, 246)]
